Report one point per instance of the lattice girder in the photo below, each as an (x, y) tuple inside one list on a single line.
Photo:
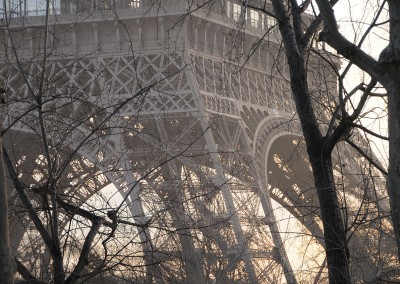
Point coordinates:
[(183, 128)]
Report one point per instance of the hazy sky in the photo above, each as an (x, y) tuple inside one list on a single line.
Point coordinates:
[(354, 19)]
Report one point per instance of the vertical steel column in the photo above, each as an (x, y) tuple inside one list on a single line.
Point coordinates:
[(266, 204), (193, 266), (247, 257), (135, 206)]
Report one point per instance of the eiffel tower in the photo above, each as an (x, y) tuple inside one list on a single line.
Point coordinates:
[(185, 109)]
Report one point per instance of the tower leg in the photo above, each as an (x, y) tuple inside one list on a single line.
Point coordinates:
[(171, 172)]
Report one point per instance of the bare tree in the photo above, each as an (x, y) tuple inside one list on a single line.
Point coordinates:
[(383, 70), (77, 122), (58, 139), (297, 30), (189, 184), (6, 260)]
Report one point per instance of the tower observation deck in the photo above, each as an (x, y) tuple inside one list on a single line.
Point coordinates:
[(184, 107)]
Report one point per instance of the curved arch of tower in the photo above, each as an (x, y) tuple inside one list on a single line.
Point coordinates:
[(187, 115)]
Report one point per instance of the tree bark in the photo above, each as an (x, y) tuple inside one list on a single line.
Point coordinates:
[(387, 72), (390, 60), (7, 265), (393, 179), (320, 158), (334, 230)]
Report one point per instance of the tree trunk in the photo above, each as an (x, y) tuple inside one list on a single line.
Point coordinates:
[(334, 231), (7, 266), (320, 158), (390, 60), (393, 179)]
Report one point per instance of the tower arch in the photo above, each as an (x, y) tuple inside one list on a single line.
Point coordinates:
[(182, 126)]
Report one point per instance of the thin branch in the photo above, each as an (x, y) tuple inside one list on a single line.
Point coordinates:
[(83, 257), (363, 100), (20, 189), (334, 38), (343, 129), (140, 93), (313, 27), (368, 157), (24, 272), (263, 10), (370, 131)]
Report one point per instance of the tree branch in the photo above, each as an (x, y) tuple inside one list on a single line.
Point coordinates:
[(20, 189), (24, 272), (367, 157), (334, 38), (343, 129), (313, 27), (370, 131), (83, 257)]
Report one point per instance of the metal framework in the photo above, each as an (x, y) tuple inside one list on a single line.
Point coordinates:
[(181, 113)]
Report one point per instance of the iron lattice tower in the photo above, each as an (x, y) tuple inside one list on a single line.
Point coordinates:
[(188, 115)]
